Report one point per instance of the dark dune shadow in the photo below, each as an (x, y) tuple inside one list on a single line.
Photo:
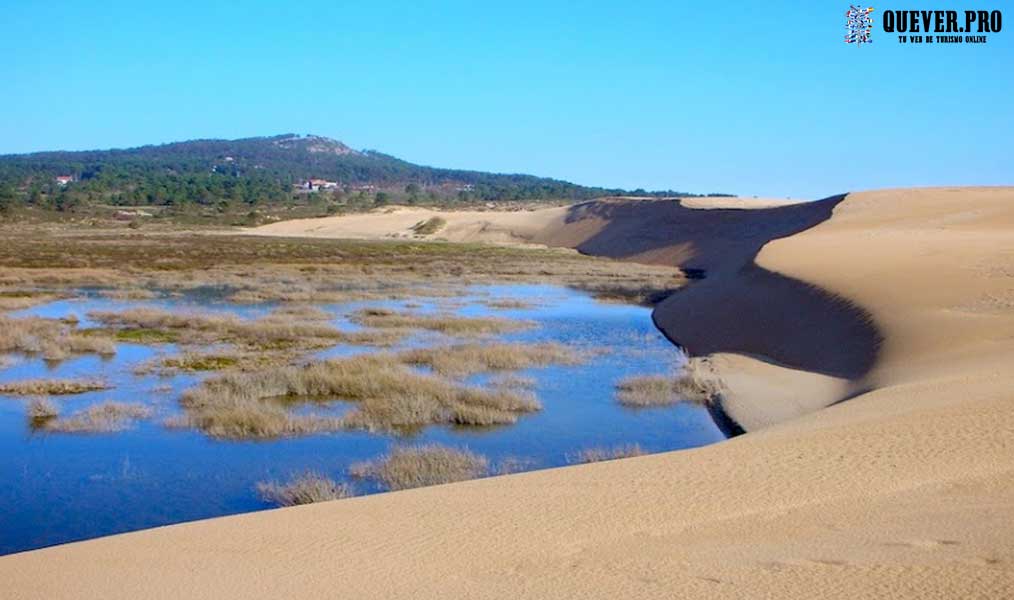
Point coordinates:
[(734, 305)]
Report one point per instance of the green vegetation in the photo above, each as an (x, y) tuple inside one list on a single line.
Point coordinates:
[(239, 176)]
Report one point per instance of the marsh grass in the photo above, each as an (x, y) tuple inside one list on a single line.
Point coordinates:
[(271, 332), (507, 304), (444, 323), (512, 381), (18, 300), (418, 466), (694, 383), (145, 336), (41, 259), (98, 418), (305, 312), (194, 361), (41, 410), (387, 395), (590, 455), (466, 359), (307, 488), (52, 339), (52, 387)]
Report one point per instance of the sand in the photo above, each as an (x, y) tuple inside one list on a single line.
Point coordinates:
[(897, 483), (502, 227)]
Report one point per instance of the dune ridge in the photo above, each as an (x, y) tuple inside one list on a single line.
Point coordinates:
[(905, 490)]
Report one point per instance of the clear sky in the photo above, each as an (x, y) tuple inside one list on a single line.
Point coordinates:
[(754, 98)]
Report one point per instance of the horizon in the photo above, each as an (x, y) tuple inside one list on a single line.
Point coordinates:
[(683, 97)]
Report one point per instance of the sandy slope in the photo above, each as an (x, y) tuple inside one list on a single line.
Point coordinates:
[(513, 227), (904, 491)]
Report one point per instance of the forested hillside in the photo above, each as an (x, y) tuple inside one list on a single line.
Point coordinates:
[(254, 172)]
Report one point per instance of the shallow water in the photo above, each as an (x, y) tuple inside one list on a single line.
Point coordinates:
[(57, 487)]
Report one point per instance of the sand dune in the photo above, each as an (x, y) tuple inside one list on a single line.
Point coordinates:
[(901, 301), (511, 227)]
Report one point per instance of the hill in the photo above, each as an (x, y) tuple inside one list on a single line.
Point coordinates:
[(260, 170)]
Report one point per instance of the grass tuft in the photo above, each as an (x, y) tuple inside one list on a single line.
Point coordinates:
[(388, 397), (419, 466), (443, 323), (41, 410), (270, 332), (307, 488), (590, 455), (98, 418), (466, 359), (53, 339), (52, 387), (694, 383)]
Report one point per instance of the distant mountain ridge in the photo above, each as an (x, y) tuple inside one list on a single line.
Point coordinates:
[(260, 169)]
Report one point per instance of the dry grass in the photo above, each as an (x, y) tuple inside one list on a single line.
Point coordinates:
[(38, 259), (194, 361), (128, 294), (511, 381), (648, 390), (41, 409), (507, 304), (50, 338), (466, 359), (98, 418), (590, 455), (18, 300), (305, 312), (694, 383), (419, 466), (276, 331), (444, 323), (307, 488), (52, 387), (389, 397)]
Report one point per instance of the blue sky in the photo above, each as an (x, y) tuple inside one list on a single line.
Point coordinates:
[(744, 97)]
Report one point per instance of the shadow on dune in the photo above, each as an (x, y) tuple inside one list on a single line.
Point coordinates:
[(736, 305)]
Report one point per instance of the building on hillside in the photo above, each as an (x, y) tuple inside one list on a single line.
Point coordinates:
[(315, 185), (64, 179)]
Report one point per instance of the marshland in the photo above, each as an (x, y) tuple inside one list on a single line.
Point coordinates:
[(154, 379)]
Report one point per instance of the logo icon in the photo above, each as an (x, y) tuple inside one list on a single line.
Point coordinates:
[(859, 25)]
